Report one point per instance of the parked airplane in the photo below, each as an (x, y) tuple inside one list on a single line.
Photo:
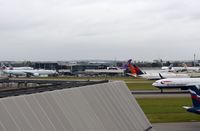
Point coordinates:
[(135, 71), (28, 73), (185, 68), (195, 95), (182, 83), (3, 67), (21, 68), (167, 68)]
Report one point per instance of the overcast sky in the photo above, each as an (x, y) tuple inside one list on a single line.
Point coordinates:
[(99, 29)]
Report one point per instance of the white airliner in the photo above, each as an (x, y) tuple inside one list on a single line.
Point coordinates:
[(39, 72), (16, 68), (185, 68), (156, 76), (167, 68), (20, 68), (182, 83)]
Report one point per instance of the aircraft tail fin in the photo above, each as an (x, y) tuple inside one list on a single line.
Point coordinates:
[(130, 67), (170, 66), (135, 70), (195, 95), (138, 70), (184, 65), (3, 67), (161, 77)]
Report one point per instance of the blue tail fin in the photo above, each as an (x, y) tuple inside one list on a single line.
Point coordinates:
[(195, 95)]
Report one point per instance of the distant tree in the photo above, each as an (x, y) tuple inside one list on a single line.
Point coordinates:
[(156, 64), (168, 63)]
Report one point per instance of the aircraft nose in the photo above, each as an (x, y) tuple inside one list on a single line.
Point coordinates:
[(155, 84)]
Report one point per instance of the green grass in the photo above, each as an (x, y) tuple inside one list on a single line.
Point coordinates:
[(141, 86), (167, 109), (132, 83)]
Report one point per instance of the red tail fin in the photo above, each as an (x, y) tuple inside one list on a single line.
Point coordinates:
[(131, 68), (134, 69)]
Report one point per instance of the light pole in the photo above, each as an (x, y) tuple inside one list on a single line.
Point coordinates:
[(194, 59)]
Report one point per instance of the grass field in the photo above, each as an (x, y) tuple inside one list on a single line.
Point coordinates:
[(141, 86), (131, 82), (167, 109)]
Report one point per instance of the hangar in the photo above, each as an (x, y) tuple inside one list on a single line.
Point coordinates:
[(100, 107)]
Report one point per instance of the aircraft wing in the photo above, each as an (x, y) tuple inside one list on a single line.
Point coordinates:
[(186, 107), (28, 73), (196, 85), (130, 74)]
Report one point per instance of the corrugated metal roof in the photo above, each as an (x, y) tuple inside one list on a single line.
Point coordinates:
[(101, 107)]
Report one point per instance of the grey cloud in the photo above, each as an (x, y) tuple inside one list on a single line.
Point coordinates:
[(107, 29)]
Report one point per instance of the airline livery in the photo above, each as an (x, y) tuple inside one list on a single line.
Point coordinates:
[(26, 71), (195, 95), (181, 83)]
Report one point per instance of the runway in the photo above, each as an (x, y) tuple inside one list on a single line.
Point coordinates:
[(184, 126), (157, 93)]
